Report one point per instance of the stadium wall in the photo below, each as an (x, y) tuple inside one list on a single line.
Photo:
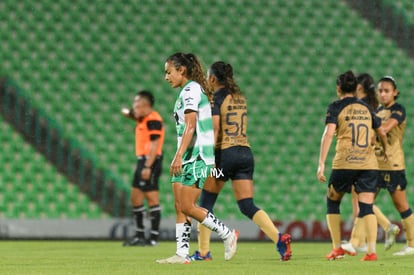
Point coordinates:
[(118, 229)]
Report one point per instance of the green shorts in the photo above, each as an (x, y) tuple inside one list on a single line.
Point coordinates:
[(193, 173)]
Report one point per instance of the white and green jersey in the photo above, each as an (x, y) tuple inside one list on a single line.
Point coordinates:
[(192, 97)]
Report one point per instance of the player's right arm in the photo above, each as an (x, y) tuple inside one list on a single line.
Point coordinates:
[(216, 127), (216, 115), (189, 131), (326, 142), (382, 130), (382, 134), (128, 113)]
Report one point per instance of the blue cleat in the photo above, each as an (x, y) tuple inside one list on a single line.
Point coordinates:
[(197, 256), (283, 247)]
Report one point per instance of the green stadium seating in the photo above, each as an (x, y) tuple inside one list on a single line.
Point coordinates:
[(29, 184), (82, 63)]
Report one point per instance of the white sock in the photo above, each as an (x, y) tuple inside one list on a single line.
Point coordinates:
[(216, 225), (182, 236)]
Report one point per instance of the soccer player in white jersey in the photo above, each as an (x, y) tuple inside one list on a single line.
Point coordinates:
[(194, 157)]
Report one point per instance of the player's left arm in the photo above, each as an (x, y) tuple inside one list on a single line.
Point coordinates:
[(155, 126), (148, 166)]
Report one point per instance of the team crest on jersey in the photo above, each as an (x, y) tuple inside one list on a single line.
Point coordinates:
[(178, 104)]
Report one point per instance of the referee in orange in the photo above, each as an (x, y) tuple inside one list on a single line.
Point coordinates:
[(149, 139)]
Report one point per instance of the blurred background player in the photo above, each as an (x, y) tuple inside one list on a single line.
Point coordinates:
[(392, 172), (234, 160), (366, 91), (354, 163), (149, 140), (194, 157)]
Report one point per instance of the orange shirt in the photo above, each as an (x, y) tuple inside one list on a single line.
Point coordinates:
[(149, 128)]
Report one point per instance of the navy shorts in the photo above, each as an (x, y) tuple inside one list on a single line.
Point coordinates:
[(152, 183), (234, 163), (392, 180), (342, 180)]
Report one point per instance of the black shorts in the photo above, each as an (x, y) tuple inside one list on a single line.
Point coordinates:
[(152, 183), (363, 180), (235, 163), (392, 180)]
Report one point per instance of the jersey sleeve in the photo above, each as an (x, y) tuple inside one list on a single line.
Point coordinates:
[(332, 114), (154, 128), (217, 102), (191, 98), (376, 121), (398, 113)]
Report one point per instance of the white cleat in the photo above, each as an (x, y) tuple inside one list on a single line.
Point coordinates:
[(362, 249), (408, 250), (230, 245), (176, 259), (390, 236), (349, 249)]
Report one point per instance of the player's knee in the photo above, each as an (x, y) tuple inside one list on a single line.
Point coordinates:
[(401, 205), (177, 206), (247, 207), (136, 201), (365, 209), (332, 207)]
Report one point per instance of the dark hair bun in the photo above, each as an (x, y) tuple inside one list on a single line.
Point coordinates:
[(347, 82)]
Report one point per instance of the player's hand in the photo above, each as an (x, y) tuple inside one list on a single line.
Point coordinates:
[(125, 112), (321, 173), (146, 173), (175, 168)]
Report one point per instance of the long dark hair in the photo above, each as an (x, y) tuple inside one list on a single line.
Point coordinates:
[(194, 70), (224, 74), (368, 85)]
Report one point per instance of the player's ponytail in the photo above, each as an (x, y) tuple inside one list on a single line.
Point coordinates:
[(197, 73), (368, 85), (224, 74), (194, 70)]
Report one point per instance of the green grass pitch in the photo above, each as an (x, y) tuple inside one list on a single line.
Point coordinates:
[(108, 257)]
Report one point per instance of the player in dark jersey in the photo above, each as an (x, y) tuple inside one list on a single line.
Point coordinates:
[(392, 172), (234, 160), (366, 91), (352, 122), (149, 139)]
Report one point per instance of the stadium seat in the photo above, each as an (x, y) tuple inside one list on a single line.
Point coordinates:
[(26, 193), (81, 65)]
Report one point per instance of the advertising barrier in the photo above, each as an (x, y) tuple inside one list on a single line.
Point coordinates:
[(117, 229)]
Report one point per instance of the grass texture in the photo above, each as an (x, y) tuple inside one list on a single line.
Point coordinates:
[(109, 257)]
